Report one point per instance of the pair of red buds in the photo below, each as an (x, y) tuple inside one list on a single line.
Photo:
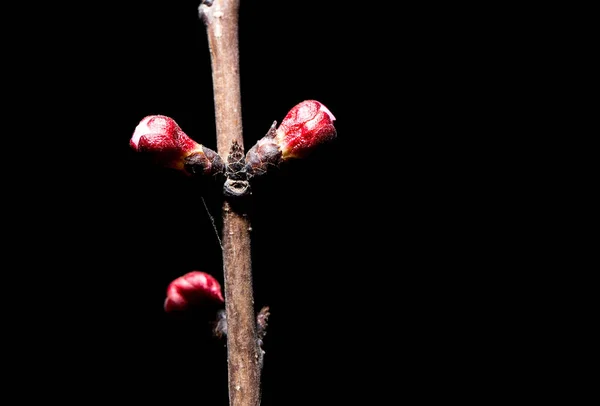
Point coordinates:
[(306, 125)]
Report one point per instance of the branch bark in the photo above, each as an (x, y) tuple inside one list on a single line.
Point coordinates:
[(221, 20)]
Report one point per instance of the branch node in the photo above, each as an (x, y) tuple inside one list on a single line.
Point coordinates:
[(220, 325), (236, 184), (202, 10), (261, 321), (261, 330)]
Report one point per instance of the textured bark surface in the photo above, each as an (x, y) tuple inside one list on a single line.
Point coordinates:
[(243, 362), (221, 20)]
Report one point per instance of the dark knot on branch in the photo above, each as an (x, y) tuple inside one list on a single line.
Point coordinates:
[(236, 183)]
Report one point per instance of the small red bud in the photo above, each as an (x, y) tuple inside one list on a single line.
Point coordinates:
[(305, 126), (193, 288), (163, 139)]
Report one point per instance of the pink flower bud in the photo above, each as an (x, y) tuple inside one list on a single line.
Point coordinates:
[(305, 126), (193, 288), (163, 139)]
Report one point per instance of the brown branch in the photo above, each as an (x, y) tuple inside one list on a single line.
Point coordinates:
[(221, 20)]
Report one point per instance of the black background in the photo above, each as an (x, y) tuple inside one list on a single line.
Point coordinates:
[(381, 256)]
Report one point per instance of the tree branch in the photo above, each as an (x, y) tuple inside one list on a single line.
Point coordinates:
[(221, 20)]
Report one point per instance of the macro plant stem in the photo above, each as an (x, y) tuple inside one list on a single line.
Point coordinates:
[(221, 20)]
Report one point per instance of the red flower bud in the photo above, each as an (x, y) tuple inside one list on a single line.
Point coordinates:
[(305, 126), (163, 139), (193, 288)]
